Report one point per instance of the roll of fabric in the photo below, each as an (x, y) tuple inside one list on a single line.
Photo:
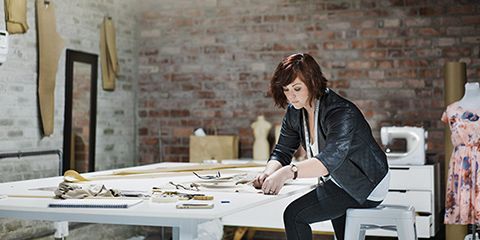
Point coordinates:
[(455, 78), (50, 46), (108, 54), (16, 16)]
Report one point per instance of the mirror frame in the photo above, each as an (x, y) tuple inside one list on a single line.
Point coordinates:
[(73, 56)]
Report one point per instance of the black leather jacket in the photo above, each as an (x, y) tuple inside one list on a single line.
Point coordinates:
[(346, 145)]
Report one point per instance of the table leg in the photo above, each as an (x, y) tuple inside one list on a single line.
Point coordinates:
[(186, 231), (175, 233), (239, 232), (61, 230), (251, 233)]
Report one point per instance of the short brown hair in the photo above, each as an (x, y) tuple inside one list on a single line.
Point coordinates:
[(300, 65)]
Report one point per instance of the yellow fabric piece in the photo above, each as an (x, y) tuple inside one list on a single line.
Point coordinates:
[(16, 16), (50, 46), (108, 54)]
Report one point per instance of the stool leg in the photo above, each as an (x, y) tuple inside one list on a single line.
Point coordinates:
[(354, 231), (406, 230), (361, 235)]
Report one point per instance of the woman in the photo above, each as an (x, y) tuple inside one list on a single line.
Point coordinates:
[(351, 167)]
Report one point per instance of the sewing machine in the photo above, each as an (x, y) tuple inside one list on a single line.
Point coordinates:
[(414, 151)]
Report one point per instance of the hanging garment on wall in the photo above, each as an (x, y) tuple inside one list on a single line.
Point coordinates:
[(108, 54), (50, 46), (463, 184), (16, 16)]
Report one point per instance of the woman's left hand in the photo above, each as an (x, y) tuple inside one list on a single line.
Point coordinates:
[(275, 181)]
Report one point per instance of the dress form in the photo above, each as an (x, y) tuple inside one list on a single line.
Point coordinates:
[(463, 182), (261, 147), (471, 99)]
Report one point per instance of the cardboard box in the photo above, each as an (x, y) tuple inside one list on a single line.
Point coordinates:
[(213, 147)]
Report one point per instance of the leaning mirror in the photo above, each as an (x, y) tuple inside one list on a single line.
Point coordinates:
[(80, 111)]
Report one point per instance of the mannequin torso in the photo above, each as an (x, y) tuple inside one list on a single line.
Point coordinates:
[(261, 147), (471, 99)]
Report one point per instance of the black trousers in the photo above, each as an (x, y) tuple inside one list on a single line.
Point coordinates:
[(326, 202)]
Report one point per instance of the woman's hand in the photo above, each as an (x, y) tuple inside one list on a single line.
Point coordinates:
[(259, 179), (273, 183), (271, 167)]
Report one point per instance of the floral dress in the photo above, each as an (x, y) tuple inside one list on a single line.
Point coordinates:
[(463, 185)]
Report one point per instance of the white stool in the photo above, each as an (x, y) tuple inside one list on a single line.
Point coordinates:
[(387, 217)]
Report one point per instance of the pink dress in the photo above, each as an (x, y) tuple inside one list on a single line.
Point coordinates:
[(462, 204)]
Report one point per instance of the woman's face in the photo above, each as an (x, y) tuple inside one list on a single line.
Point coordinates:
[(296, 93)]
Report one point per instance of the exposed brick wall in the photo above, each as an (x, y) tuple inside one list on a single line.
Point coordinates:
[(208, 63)]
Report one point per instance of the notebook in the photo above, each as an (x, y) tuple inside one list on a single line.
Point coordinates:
[(94, 203)]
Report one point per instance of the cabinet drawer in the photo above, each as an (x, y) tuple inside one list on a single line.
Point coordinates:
[(424, 226), (411, 178), (421, 200)]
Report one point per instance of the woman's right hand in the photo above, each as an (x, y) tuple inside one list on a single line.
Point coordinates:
[(259, 179), (271, 167)]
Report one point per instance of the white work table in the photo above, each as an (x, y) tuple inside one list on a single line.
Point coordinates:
[(21, 205)]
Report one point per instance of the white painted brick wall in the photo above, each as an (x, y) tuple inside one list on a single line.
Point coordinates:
[(78, 22)]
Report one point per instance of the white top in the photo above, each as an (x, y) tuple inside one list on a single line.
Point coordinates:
[(380, 191)]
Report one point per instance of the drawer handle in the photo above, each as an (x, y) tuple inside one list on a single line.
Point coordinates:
[(399, 168), (395, 190)]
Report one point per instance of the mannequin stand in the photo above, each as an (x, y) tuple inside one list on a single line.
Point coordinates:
[(474, 231), (473, 234)]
